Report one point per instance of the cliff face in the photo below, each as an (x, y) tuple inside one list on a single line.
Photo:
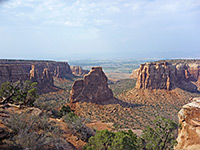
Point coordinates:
[(78, 71), (11, 73), (166, 75), (93, 88), (36, 71), (189, 132)]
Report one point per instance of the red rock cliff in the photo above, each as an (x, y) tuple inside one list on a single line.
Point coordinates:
[(36, 71), (166, 75), (93, 88)]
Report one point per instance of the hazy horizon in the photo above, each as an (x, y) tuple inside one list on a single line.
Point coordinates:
[(91, 29)]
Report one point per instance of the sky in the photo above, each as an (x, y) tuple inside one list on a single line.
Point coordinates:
[(71, 29)]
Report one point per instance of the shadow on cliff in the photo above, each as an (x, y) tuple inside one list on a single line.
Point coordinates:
[(110, 102), (187, 86)]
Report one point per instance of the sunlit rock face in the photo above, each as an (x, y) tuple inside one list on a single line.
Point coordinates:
[(189, 130), (93, 88), (164, 75)]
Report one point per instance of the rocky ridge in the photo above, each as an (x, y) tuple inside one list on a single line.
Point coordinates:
[(93, 88), (189, 130), (42, 72), (164, 75)]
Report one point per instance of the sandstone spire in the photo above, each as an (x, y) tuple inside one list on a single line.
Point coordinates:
[(93, 88)]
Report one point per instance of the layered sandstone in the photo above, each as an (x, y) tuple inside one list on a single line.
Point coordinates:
[(164, 75), (189, 130), (78, 71), (42, 72), (93, 88)]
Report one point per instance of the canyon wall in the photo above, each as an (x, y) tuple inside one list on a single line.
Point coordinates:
[(93, 88), (164, 75), (189, 129), (36, 71)]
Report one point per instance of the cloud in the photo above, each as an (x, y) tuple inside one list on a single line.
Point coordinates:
[(121, 24)]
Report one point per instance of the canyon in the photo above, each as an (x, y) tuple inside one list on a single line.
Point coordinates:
[(157, 89), (42, 72)]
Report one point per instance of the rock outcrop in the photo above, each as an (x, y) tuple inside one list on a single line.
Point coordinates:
[(189, 130), (164, 75), (42, 72), (93, 88), (78, 71), (42, 77)]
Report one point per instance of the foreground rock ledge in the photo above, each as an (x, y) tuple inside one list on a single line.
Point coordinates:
[(189, 130), (93, 88)]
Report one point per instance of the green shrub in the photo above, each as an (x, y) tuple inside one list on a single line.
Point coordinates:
[(107, 140), (160, 137), (64, 111)]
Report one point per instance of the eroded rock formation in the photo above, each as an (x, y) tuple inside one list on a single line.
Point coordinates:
[(36, 71), (78, 71), (164, 75), (189, 130), (93, 88)]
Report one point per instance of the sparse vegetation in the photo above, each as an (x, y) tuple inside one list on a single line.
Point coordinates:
[(159, 137), (122, 86), (33, 132), (77, 126)]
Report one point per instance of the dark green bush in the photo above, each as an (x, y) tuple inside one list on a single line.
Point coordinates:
[(64, 111), (107, 140)]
